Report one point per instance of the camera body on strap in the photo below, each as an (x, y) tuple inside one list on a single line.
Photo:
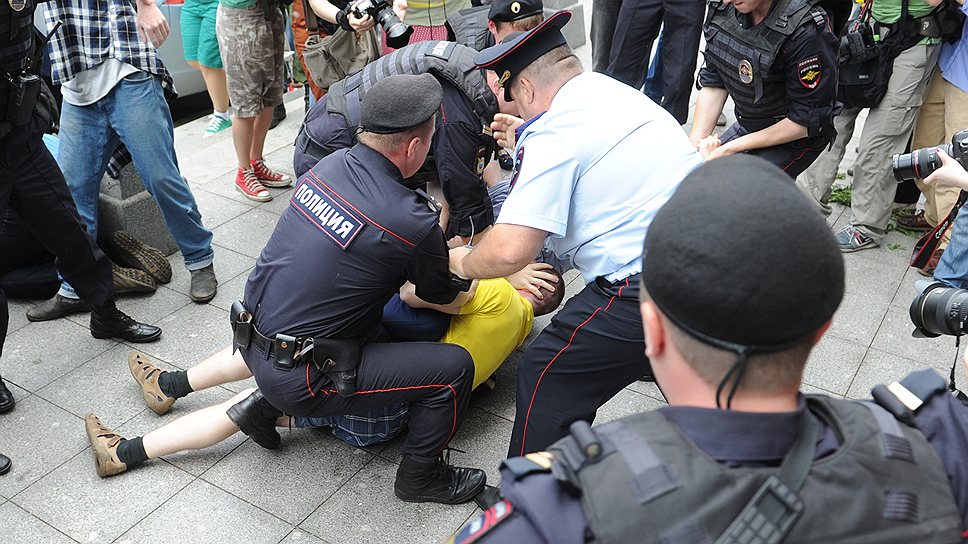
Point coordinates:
[(337, 359)]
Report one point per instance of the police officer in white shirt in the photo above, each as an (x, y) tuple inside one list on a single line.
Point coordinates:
[(593, 164)]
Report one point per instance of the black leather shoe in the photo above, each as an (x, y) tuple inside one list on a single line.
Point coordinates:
[(57, 308), (488, 497), (257, 418), (204, 285), (110, 322), (7, 402), (5, 464), (430, 479)]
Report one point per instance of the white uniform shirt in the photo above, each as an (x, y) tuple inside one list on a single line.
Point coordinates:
[(593, 170)]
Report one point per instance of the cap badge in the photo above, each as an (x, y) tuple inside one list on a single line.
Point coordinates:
[(515, 7), (504, 78), (745, 71)]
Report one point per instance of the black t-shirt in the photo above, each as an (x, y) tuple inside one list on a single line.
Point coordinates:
[(351, 236)]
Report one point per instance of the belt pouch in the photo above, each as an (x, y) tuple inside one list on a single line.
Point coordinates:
[(241, 321), (338, 360), (285, 351)]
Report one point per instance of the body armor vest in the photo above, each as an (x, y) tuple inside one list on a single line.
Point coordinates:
[(746, 58), (449, 61), (470, 27), (16, 37), (885, 483)]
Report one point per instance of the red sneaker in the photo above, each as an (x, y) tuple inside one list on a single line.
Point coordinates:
[(268, 176), (248, 184)]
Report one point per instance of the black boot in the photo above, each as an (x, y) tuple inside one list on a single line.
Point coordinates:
[(7, 401), (257, 418), (430, 479), (110, 322), (5, 464)]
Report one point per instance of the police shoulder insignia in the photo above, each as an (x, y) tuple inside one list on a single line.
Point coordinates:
[(479, 526), (518, 159), (480, 160), (321, 206), (809, 72), (532, 463), (745, 71)]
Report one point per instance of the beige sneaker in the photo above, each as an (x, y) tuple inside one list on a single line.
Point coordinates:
[(146, 374), (105, 444)]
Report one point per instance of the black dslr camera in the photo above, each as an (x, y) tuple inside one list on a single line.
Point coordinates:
[(920, 163), (939, 309), (398, 32)]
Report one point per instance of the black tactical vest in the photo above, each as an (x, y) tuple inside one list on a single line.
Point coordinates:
[(650, 484), (16, 36), (470, 27), (746, 58), (447, 60)]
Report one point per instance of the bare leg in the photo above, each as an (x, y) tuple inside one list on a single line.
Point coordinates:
[(200, 429), (217, 90), (223, 367), (260, 130), (242, 133)]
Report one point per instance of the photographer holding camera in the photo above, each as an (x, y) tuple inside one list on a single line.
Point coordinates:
[(952, 267)]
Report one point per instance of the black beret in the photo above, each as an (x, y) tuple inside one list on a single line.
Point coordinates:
[(511, 10), (519, 50), (397, 103), (738, 257)]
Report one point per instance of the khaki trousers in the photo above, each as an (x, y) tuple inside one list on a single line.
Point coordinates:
[(886, 132), (943, 113)]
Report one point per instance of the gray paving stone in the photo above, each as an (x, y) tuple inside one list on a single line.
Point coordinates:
[(228, 264), (39, 353), (626, 403), (102, 386), (194, 462), (22, 528), (833, 364), (247, 233), (154, 307), (894, 336), (298, 536), (18, 313), (191, 334), (222, 182), (863, 274), (217, 209), (204, 513), (882, 367), (74, 500), (292, 481), (649, 389), (280, 198), (859, 316), (366, 511), (38, 437), (230, 291)]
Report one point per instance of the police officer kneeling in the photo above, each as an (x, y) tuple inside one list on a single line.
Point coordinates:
[(740, 455)]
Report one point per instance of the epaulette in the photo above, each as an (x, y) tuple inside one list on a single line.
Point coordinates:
[(532, 463)]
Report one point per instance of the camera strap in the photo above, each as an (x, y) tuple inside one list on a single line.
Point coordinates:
[(926, 246)]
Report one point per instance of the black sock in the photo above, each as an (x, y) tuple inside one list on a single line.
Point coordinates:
[(175, 383), (131, 452)]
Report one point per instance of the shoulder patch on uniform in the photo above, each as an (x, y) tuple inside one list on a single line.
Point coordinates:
[(810, 71), (518, 159), (442, 50), (327, 213), (480, 160), (532, 463), (479, 526)]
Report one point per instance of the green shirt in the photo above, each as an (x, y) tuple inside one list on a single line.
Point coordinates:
[(889, 12), (431, 12), (238, 4)]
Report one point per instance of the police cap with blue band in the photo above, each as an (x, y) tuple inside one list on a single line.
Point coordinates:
[(397, 103), (517, 51)]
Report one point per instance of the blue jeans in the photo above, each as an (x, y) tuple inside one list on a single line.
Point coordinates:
[(136, 113), (653, 79), (953, 266)]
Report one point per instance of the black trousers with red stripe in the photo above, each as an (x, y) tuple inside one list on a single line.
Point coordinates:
[(792, 157), (434, 379), (592, 349)]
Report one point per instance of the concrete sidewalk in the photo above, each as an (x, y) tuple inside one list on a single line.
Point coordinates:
[(315, 488)]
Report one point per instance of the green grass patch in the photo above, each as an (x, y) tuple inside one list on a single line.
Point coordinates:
[(841, 195), (895, 247)]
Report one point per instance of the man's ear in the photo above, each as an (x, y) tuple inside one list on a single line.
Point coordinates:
[(492, 28), (526, 90), (412, 146), (655, 333)]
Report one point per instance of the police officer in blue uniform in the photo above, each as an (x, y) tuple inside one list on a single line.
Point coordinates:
[(777, 60), (462, 145), (739, 455), (481, 27), (352, 235), (32, 185), (593, 163)]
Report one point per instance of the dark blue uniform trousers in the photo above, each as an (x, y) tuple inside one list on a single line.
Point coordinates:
[(638, 27), (592, 349), (434, 379), (792, 157)]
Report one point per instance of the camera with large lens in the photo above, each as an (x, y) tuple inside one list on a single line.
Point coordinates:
[(939, 309), (398, 32), (920, 163)]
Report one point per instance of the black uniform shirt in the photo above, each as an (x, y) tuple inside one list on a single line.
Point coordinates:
[(351, 236), (808, 64), (546, 512)]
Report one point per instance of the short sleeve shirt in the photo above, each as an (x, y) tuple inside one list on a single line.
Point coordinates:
[(593, 170)]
